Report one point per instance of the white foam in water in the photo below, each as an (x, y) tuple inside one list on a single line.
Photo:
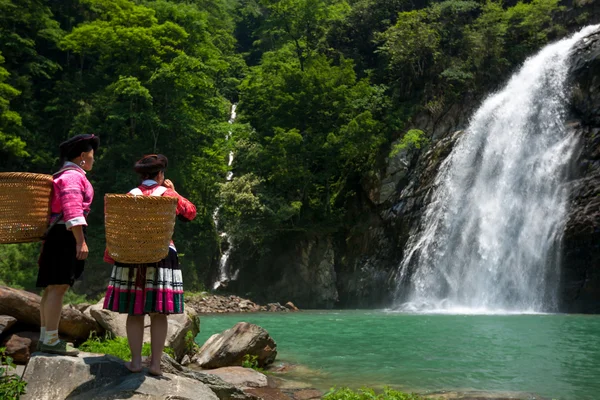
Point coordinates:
[(489, 240)]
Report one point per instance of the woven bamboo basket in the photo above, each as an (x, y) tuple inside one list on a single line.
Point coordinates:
[(139, 228), (24, 206)]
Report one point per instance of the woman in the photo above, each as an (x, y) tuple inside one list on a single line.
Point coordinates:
[(155, 289), (64, 251)]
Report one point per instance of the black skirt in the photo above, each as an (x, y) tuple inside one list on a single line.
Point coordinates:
[(58, 263)]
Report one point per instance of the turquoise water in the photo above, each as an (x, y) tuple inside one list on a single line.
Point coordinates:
[(555, 356)]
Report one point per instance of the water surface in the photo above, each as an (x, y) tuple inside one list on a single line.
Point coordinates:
[(555, 356)]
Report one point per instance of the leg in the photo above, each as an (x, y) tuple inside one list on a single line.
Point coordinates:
[(51, 310), (42, 318), (158, 334), (135, 337), (53, 305)]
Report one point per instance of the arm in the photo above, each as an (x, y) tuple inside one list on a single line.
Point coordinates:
[(186, 210), (82, 249), (71, 187)]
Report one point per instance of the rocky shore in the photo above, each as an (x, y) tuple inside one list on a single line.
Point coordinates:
[(205, 303), (214, 371)]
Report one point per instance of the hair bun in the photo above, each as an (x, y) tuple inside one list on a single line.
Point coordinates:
[(151, 164)]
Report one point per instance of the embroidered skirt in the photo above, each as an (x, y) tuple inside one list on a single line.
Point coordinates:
[(58, 263), (139, 289)]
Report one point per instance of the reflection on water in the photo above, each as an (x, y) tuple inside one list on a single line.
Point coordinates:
[(555, 356)]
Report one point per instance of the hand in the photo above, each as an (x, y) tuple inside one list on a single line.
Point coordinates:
[(168, 184), (82, 251)]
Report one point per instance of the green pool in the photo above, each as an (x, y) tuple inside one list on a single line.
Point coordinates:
[(555, 356)]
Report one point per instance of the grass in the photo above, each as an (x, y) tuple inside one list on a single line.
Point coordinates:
[(117, 347), (370, 394)]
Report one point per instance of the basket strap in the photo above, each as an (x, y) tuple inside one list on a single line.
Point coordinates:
[(136, 192), (159, 191)]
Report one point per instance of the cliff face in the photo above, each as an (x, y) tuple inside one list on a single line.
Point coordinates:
[(580, 281)]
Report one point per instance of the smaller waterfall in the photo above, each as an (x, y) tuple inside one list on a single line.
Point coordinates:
[(225, 275), (490, 236)]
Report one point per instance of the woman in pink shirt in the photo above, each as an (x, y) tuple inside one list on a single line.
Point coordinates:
[(64, 251), (157, 288)]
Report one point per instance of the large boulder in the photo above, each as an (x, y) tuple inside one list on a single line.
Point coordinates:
[(25, 307), (21, 345), (229, 347), (179, 326), (93, 376)]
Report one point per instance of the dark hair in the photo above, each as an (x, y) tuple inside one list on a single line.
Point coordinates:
[(149, 166), (73, 147)]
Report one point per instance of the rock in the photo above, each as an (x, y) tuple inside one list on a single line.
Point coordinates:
[(222, 389), (229, 347), (220, 304), (114, 323), (241, 377), (185, 361), (25, 307), (290, 306), (22, 305), (179, 326), (6, 322), (21, 345), (93, 376), (77, 325)]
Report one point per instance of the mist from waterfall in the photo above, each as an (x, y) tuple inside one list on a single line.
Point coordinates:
[(489, 240)]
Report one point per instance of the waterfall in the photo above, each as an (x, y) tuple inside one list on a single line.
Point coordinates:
[(489, 239), (225, 275)]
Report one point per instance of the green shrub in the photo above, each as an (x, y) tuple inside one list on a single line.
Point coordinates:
[(369, 394), (251, 362), (11, 387), (191, 347)]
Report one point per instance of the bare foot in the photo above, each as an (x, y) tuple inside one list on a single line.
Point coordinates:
[(155, 371), (133, 367)]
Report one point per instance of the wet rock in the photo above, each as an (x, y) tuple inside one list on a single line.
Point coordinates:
[(240, 377), (580, 275), (224, 390), (229, 347), (290, 306)]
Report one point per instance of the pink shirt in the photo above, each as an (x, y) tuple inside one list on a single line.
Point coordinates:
[(72, 195)]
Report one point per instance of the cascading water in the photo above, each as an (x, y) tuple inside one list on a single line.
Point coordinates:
[(225, 274), (489, 239)]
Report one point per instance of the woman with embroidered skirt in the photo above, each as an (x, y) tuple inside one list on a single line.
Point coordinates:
[(155, 289), (64, 250)]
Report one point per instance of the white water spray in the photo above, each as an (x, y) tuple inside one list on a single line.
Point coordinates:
[(224, 266), (488, 241)]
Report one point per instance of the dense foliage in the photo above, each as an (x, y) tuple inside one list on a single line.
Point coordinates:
[(324, 87)]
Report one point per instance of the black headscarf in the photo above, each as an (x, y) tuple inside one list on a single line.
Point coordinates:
[(73, 147)]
